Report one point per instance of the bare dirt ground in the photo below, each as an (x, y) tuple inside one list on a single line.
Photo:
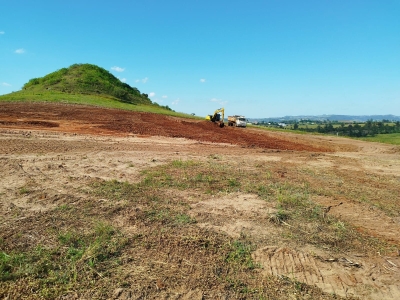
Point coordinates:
[(53, 143)]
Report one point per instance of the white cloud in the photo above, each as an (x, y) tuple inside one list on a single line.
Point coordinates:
[(122, 79), (144, 80), (5, 84), (2, 32), (117, 69), (202, 80), (219, 101), (164, 96), (20, 51), (152, 94), (175, 102)]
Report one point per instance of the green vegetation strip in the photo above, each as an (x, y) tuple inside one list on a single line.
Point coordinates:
[(391, 138), (93, 100)]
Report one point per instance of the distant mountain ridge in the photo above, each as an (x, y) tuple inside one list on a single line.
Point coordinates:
[(354, 118)]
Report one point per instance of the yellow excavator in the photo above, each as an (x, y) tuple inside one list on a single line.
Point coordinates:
[(217, 118)]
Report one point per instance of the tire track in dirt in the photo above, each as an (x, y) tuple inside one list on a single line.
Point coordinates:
[(367, 278), (340, 276)]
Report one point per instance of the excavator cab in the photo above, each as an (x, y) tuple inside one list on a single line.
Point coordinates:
[(216, 118)]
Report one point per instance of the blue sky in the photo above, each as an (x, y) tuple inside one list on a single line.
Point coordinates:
[(256, 58)]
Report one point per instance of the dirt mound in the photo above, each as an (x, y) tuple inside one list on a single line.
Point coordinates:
[(93, 120)]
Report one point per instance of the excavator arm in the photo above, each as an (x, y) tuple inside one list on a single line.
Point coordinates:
[(217, 117)]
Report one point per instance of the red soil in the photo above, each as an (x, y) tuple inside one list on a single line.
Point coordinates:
[(100, 121)]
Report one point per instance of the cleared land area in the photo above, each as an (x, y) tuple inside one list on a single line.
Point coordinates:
[(110, 204)]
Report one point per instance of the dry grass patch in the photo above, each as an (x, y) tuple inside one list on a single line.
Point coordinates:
[(157, 250)]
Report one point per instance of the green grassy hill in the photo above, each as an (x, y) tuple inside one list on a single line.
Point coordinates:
[(86, 84), (87, 79)]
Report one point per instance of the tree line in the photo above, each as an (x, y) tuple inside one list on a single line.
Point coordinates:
[(369, 128)]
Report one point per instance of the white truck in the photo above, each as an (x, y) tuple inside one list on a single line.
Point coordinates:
[(237, 121)]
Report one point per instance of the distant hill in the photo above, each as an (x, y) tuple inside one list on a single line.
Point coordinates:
[(87, 79), (330, 118)]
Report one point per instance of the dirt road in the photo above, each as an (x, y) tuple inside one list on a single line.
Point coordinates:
[(50, 143)]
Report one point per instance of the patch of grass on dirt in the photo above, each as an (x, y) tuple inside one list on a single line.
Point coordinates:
[(162, 250), (73, 260), (191, 175), (240, 254), (184, 219), (24, 190), (375, 190), (168, 243), (389, 138), (302, 219), (115, 189), (64, 207)]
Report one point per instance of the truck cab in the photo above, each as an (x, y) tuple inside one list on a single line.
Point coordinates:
[(237, 121)]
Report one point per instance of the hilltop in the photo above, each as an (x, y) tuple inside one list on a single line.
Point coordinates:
[(87, 79)]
